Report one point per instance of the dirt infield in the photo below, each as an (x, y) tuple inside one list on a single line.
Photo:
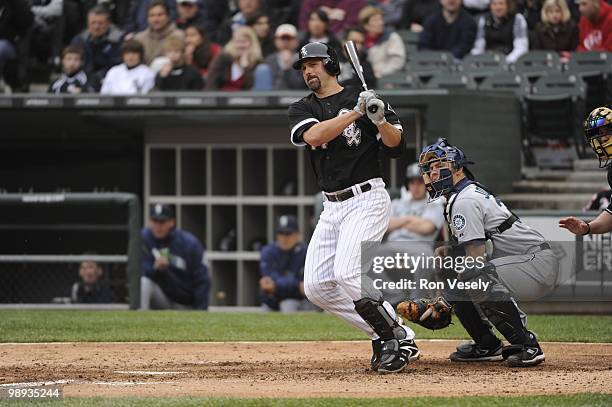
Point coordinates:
[(292, 369)]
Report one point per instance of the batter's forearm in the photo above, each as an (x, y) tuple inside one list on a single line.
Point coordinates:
[(327, 130), (391, 136)]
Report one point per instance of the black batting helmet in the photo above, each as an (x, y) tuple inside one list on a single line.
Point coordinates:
[(319, 50)]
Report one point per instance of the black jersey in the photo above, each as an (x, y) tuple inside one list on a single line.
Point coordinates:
[(353, 156)]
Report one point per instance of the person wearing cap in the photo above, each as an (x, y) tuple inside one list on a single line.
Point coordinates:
[(282, 269), (413, 217), (281, 62), (175, 273)]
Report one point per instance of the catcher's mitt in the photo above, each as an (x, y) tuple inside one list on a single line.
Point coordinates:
[(431, 314)]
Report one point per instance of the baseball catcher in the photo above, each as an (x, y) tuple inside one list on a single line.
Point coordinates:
[(514, 261)]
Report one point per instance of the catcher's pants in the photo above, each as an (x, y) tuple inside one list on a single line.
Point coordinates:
[(332, 273)]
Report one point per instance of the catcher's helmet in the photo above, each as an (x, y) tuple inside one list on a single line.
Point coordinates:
[(442, 151), (319, 50), (598, 133)]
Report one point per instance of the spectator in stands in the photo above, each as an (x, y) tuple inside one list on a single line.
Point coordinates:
[(73, 80), (199, 50), (260, 23), (89, 289), (385, 47), (175, 273), (414, 13), (189, 13), (282, 269), (318, 31), (101, 43), (160, 29), (15, 21), (557, 31), (347, 75), (176, 74), (246, 9), (341, 14), (138, 15), (239, 66), (450, 29), (131, 77), (595, 26), (413, 217), (392, 11), (502, 30), (281, 62)]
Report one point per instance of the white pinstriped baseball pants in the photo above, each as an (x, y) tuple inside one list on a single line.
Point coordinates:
[(332, 273)]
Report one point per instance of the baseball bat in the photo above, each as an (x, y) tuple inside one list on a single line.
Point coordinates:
[(354, 60)]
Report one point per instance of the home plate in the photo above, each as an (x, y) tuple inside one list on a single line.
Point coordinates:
[(146, 373)]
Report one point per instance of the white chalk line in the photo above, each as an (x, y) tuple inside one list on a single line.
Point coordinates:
[(262, 342), (70, 381), (146, 373)]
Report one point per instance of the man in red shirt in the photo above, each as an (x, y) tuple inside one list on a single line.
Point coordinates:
[(595, 26)]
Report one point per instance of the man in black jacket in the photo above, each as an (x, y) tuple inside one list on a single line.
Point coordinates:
[(101, 43), (450, 29)]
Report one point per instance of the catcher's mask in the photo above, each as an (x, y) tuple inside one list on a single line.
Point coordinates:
[(437, 163), (598, 133)]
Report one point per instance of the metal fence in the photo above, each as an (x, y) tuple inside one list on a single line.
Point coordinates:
[(48, 236)]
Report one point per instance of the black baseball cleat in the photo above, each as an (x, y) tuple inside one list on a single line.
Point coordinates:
[(529, 355), (376, 349), (471, 352), (393, 359), (410, 347)]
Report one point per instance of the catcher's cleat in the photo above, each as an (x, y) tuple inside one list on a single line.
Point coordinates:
[(529, 354), (410, 347), (471, 352), (376, 349), (393, 359)]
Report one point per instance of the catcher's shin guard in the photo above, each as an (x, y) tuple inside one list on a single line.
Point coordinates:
[(505, 316)]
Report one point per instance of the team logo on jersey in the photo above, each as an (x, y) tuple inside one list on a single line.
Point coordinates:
[(352, 133), (459, 222)]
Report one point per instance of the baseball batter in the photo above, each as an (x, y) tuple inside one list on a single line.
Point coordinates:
[(344, 140)]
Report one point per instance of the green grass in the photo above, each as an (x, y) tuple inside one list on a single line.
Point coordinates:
[(591, 400), (181, 326)]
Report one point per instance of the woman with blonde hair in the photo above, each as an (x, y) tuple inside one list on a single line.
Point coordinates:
[(239, 66), (557, 31), (385, 48)]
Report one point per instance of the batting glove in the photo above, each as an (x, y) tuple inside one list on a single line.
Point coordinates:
[(377, 118), (360, 107)]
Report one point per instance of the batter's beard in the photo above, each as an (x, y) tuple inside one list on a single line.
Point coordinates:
[(314, 84)]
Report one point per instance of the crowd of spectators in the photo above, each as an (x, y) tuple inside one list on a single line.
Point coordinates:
[(133, 47)]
